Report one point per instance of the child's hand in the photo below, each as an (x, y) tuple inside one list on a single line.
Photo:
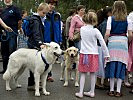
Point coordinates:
[(106, 58)]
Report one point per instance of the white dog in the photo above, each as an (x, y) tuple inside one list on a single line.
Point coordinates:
[(70, 63), (39, 62)]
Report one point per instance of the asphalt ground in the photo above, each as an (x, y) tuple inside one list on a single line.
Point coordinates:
[(56, 89)]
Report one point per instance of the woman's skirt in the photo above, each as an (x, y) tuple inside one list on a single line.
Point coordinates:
[(88, 63)]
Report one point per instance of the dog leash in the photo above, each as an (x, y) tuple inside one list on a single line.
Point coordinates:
[(7, 37), (44, 60), (4, 36)]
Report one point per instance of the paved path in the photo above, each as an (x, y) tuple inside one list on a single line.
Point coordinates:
[(58, 92)]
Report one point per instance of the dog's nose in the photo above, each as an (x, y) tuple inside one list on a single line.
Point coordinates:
[(62, 52), (72, 55)]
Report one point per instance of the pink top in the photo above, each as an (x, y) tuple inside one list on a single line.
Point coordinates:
[(130, 59), (76, 24)]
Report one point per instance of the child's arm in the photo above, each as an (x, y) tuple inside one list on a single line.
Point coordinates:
[(108, 28), (102, 43)]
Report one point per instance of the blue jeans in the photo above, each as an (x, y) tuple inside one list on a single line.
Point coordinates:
[(78, 45)]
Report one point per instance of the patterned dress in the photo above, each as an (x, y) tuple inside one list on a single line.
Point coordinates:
[(118, 49)]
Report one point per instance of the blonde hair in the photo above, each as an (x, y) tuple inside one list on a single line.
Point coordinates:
[(90, 18), (119, 10), (42, 6)]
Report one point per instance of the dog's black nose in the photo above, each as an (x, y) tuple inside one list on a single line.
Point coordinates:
[(62, 52), (72, 55)]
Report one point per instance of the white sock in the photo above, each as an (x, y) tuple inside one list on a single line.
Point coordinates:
[(93, 82), (112, 82), (119, 82), (82, 82)]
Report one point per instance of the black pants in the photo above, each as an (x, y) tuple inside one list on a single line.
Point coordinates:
[(71, 43), (5, 54), (7, 48), (50, 74), (31, 81)]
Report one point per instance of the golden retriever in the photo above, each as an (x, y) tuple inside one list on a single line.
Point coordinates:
[(69, 65)]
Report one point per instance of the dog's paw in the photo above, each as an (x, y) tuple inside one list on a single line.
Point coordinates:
[(76, 84), (72, 78), (8, 89), (65, 84), (46, 93), (37, 94), (19, 86), (61, 79)]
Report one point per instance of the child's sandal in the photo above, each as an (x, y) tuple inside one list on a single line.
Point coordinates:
[(111, 93), (117, 94)]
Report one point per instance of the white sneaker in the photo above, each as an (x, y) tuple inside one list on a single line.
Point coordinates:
[(79, 95), (127, 84), (92, 95)]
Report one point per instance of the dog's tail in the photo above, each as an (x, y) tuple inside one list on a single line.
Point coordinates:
[(6, 75)]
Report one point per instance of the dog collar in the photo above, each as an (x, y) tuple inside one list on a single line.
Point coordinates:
[(44, 60), (74, 66)]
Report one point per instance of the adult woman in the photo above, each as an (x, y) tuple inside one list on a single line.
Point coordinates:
[(67, 26), (76, 24)]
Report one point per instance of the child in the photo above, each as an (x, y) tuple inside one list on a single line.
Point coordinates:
[(36, 38), (22, 38), (89, 52), (117, 27), (105, 13)]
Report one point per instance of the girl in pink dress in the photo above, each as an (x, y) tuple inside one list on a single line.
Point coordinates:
[(89, 53)]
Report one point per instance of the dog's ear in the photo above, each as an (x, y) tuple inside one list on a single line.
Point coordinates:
[(77, 49), (66, 51), (45, 45)]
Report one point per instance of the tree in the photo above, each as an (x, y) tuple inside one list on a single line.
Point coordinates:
[(64, 5)]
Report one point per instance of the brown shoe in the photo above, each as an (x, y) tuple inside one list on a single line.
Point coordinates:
[(111, 93), (50, 79), (131, 91), (117, 94), (99, 87)]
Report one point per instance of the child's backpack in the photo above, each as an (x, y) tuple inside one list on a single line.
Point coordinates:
[(27, 24)]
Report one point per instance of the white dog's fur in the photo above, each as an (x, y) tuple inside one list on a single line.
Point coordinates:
[(31, 59), (71, 56)]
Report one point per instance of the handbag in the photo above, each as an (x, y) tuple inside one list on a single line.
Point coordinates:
[(22, 41), (76, 36)]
